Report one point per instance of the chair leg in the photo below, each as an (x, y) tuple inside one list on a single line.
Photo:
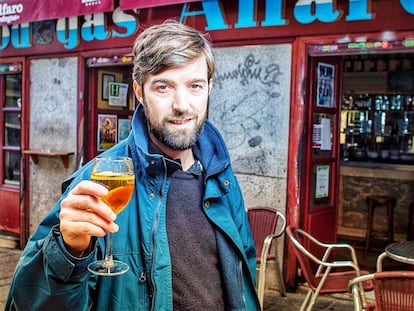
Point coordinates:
[(358, 304), (280, 278), (315, 294), (262, 272), (304, 305), (312, 301), (261, 282)]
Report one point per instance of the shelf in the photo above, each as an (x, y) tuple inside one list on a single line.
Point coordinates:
[(365, 82), (379, 82), (62, 154)]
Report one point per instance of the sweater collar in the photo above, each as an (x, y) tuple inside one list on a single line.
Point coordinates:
[(175, 164)]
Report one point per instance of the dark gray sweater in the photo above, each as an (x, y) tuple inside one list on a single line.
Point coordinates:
[(192, 242)]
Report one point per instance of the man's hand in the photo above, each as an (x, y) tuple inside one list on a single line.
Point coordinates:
[(83, 215)]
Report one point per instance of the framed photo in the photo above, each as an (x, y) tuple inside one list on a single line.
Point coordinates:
[(325, 85), (107, 131), (106, 79), (124, 127)]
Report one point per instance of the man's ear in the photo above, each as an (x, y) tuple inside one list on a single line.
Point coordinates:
[(210, 86), (137, 91)]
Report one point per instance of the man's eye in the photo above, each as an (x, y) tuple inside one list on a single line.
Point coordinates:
[(162, 88), (196, 86)]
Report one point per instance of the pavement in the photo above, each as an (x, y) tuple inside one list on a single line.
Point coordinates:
[(272, 301), (8, 261)]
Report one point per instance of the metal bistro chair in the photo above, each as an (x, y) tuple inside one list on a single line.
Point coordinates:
[(266, 224), (393, 291), (331, 276)]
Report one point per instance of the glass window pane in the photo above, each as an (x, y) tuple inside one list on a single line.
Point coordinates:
[(11, 167), (13, 90), (12, 129)]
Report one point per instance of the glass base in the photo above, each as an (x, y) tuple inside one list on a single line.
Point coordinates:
[(100, 267)]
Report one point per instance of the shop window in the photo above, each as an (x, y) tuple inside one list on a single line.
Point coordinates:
[(11, 115), (377, 118)]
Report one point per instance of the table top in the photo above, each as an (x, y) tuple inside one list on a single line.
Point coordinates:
[(401, 251)]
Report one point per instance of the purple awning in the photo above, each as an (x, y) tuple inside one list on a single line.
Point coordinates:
[(23, 11), (141, 4)]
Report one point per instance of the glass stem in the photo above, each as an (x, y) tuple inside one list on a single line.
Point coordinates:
[(109, 263)]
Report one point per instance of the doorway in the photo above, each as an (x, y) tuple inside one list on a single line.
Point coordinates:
[(321, 168), (367, 71), (371, 128), (111, 103), (376, 141)]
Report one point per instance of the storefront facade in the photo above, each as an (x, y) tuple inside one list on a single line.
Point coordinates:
[(286, 73)]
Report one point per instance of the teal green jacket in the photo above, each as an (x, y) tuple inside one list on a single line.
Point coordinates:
[(47, 277)]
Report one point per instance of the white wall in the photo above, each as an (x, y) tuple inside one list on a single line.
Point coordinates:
[(53, 127), (250, 105)]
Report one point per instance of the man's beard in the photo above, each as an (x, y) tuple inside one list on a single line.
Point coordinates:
[(181, 139)]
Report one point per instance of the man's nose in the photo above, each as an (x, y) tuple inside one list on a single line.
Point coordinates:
[(181, 100)]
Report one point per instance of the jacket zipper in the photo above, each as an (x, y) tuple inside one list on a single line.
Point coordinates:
[(154, 231)]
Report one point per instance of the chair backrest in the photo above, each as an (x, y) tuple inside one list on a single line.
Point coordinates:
[(302, 255), (394, 290), (263, 222)]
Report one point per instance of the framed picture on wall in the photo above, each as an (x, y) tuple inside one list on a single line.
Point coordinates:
[(107, 131), (106, 79), (103, 91), (124, 127)]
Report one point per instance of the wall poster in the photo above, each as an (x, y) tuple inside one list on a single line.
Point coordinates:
[(124, 127), (325, 85), (107, 131), (322, 135)]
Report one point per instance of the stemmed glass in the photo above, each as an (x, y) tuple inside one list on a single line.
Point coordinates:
[(117, 174)]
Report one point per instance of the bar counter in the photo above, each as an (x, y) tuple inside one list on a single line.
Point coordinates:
[(357, 180)]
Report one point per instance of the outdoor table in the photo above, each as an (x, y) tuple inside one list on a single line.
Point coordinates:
[(401, 251)]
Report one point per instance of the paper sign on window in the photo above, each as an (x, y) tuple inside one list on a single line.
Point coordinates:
[(118, 94), (322, 181)]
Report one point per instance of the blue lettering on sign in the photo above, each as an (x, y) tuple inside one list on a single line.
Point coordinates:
[(20, 36), (5, 37), (68, 37), (408, 5), (94, 27), (273, 13), (358, 10), (211, 10), (126, 21), (246, 14), (323, 11), (70, 32)]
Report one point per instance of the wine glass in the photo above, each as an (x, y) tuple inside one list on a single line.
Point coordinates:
[(117, 174)]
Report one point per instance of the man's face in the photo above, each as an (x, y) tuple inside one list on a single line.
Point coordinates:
[(175, 104)]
